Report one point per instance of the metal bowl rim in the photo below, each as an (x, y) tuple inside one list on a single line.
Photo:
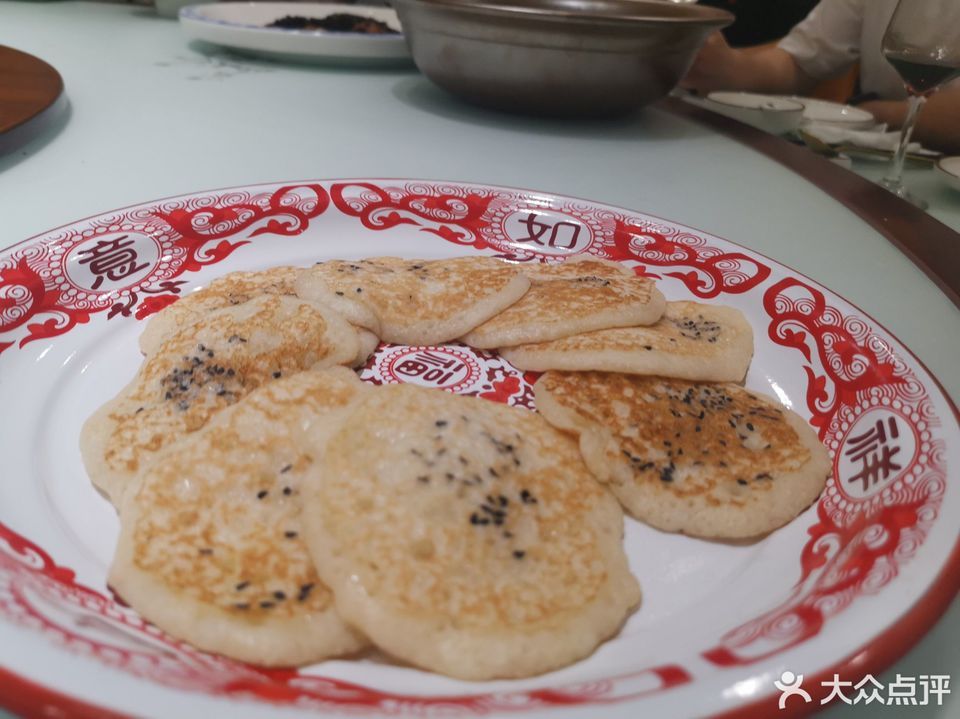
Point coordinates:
[(699, 14)]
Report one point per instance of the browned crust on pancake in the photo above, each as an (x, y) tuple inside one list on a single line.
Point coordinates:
[(713, 460), (692, 341), (466, 536), (202, 369), (570, 298), (418, 301), (211, 546), (231, 289)]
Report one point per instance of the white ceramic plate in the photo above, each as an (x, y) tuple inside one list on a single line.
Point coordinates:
[(242, 26), (776, 115), (845, 588), (834, 113), (948, 169)]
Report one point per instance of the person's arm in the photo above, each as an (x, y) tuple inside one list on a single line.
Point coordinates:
[(825, 44), (938, 124), (764, 69)]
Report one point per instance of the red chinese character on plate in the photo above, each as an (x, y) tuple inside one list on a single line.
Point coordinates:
[(430, 367), (545, 232), (113, 259), (880, 448), (443, 367), (563, 234), (875, 449)]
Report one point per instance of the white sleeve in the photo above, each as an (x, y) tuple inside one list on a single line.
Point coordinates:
[(827, 41)]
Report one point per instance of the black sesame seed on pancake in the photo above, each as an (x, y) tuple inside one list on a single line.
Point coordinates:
[(211, 547), (692, 341), (203, 368), (415, 302), (465, 536), (708, 460), (570, 298)]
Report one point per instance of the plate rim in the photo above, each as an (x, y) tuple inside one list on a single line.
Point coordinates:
[(874, 656)]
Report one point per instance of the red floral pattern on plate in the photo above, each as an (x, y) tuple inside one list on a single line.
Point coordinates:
[(49, 286), (712, 271), (454, 213), (862, 536)]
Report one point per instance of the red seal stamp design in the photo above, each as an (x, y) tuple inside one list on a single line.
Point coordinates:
[(455, 368), (444, 367)]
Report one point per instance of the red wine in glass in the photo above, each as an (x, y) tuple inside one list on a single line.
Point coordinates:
[(921, 73)]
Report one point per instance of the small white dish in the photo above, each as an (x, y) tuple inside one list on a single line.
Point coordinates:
[(776, 115), (243, 26), (948, 170), (833, 113)]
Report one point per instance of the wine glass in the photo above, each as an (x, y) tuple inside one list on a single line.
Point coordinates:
[(922, 42)]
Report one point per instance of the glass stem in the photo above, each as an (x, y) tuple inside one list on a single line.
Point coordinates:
[(896, 168)]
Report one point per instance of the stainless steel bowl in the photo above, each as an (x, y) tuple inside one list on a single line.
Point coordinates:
[(557, 57)]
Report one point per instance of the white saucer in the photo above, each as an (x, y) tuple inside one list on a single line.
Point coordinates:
[(773, 114)]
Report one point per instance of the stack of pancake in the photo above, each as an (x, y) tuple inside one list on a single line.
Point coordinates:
[(277, 510)]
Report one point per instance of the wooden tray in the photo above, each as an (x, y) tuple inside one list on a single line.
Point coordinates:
[(28, 87)]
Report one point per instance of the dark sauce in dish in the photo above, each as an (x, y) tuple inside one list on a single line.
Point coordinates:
[(338, 22)]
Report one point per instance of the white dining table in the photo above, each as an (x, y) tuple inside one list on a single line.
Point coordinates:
[(152, 114)]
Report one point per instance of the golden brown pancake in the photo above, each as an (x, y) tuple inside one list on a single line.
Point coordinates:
[(211, 548), (231, 289), (202, 369), (415, 302), (691, 341), (465, 536), (570, 298), (708, 460)]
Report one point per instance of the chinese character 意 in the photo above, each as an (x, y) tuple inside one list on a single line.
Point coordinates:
[(561, 239), (875, 449), (114, 259)]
